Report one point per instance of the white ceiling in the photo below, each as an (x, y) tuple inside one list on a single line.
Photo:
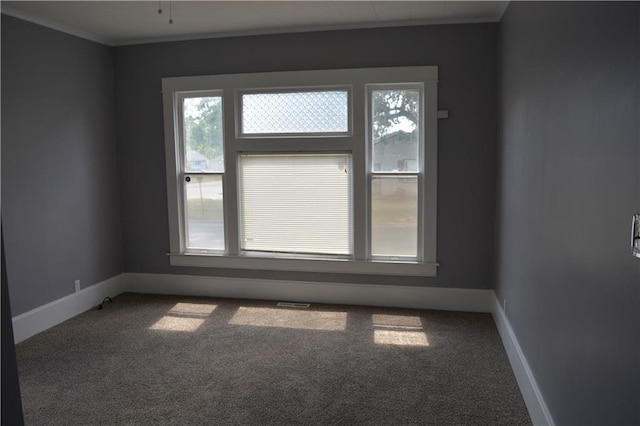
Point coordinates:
[(130, 22)]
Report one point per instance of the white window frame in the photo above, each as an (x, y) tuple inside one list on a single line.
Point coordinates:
[(359, 83)]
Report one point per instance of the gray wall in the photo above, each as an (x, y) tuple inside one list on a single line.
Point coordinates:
[(569, 148), (466, 55), (60, 202)]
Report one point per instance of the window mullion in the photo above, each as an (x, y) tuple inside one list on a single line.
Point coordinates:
[(429, 176), (230, 182), (360, 207)]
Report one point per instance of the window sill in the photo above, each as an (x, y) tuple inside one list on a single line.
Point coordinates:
[(428, 269)]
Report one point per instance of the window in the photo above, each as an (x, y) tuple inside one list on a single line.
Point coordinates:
[(289, 113), (202, 154), (396, 123), (327, 171)]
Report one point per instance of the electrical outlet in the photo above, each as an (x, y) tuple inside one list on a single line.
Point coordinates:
[(504, 306), (77, 283)]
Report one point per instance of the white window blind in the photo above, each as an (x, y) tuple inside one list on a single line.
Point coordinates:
[(296, 203)]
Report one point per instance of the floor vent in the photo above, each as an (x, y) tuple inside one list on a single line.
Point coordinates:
[(293, 305)]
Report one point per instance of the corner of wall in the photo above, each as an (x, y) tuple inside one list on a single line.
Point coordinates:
[(533, 399)]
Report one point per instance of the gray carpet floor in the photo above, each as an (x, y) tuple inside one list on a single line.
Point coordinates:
[(173, 360)]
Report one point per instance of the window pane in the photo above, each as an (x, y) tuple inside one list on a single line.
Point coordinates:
[(395, 129), (203, 134), (298, 203), (394, 216), (295, 112), (204, 213)]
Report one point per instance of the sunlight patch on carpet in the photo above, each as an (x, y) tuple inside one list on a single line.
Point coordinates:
[(285, 318), (400, 338), (184, 317), (192, 309), (400, 330), (170, 323)]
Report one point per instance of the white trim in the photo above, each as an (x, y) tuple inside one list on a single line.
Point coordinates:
[(425, 269), (301, 79), (46, 316), (450, 299), (57, 27), (538, 410)]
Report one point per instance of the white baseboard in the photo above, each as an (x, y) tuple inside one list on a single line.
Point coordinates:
[(528, 387), (473, 300), (46, 316), (39, 319)]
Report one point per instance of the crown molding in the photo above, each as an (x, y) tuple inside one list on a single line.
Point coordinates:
[(317, 28)]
